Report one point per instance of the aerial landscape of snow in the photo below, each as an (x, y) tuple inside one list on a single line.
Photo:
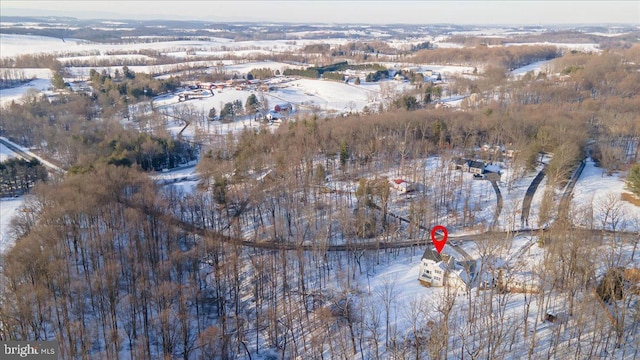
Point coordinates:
[(256, 240)]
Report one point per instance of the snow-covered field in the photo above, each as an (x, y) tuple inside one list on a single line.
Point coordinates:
[(600, 193), (8, 207), (303, 94), (585, 47), (12, 45), (535, 67), (245, 68), (96, 58), (11, 94)]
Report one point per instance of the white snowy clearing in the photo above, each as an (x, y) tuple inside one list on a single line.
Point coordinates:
[(599, 193), (9, 207), (585, 47), (535, 67), (16, 93), (6, 153)]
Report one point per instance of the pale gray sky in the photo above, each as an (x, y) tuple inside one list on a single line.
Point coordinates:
[(379, 12)]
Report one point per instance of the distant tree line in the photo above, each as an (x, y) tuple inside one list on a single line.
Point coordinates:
[(11, 77), (509, 57), (335, 71), (262, 73), (377, 75), (135, 85)]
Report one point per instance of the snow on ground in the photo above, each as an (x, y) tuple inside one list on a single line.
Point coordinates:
[(612, 34), (595, 191), (30, 73), (9, 207), (536, 67), (102, 57), (328, 95), (438, 68), (447, 45), (513, 187), (82, 72), (220, 53), (6, 153), (230, 67), (43, 161), (184, 179), (463, 191), (12, 45), (8, 95), (303, 94), (247, 67), (588, 47)]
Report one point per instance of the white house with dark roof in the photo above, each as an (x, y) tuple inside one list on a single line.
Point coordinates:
[(440, 270)]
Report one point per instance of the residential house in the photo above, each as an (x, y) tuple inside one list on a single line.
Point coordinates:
[(474, 167), (402, 186), (471, 166), (432, 268), (458, 163), (441, 270)]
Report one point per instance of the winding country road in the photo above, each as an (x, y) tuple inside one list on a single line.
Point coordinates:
[(494, 183), (371, 245), (563, 209), (29, 156), (528, 197)]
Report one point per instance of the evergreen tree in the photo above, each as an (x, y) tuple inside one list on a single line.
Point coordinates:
[(212, 113), (357, 81), (237, 107), (633, 179), (227, 112), (344, 152), (57, 81), (128, 73), (252, 104)]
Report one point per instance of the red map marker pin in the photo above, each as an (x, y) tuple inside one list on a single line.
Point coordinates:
[(439, 240)]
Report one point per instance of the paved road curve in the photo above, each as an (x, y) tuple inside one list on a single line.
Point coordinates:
[(528, 197)]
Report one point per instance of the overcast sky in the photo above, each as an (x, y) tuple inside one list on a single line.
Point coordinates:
[(379, 12)]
